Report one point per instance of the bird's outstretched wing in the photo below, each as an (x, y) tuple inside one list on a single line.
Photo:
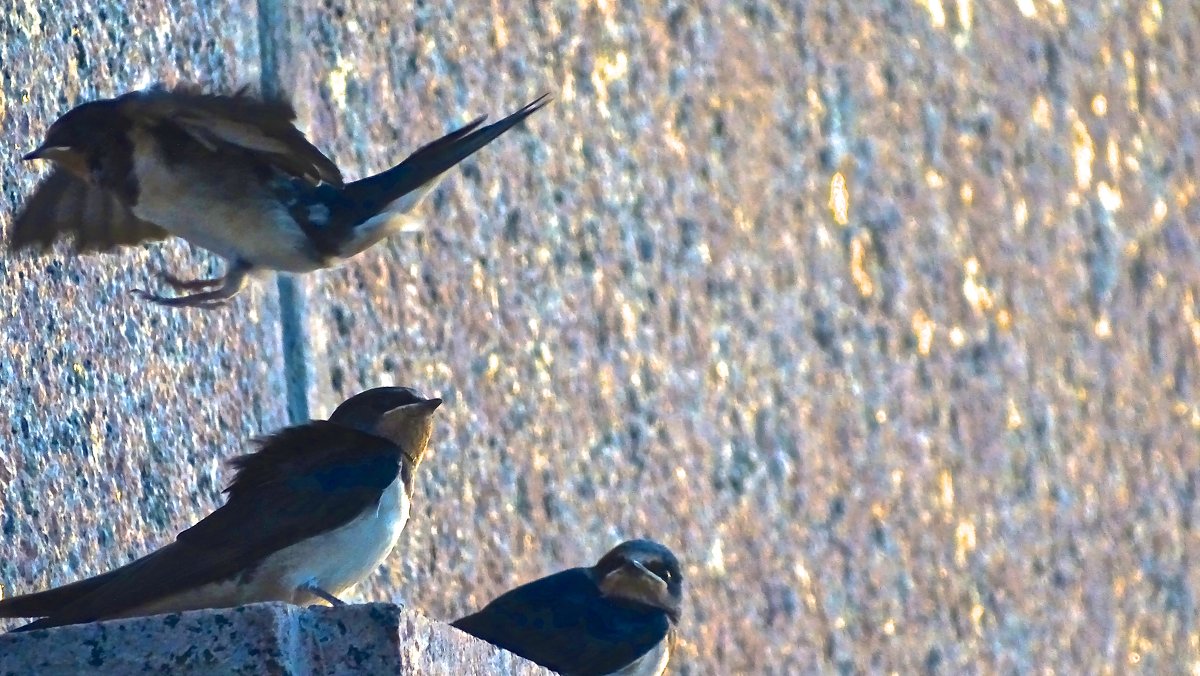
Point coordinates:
[(66, 204), (263, 127), (264, 517)]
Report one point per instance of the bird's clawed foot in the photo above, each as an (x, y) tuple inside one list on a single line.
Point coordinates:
[(188, 284), (217, 291), (321, 593), (207, 300)]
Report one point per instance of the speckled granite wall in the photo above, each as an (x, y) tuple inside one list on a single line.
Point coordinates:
[(114, 415), (884, 318)]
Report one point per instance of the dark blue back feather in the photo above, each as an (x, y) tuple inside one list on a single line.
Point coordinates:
[(563, 623)]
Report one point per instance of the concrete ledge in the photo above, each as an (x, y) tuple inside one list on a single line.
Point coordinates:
[(264, 638)]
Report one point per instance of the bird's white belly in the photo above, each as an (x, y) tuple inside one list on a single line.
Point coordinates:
[(231, 216), (339, 559), (653, 663)]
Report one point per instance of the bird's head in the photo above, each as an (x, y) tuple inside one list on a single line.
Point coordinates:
[(72, 139), (398, 414), (643, 572)]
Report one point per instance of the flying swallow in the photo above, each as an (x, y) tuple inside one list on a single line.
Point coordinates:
[(617, 617), (309, 514), (229, 173)]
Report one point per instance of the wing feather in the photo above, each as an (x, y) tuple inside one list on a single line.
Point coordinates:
[(263, 127), (65, 205)]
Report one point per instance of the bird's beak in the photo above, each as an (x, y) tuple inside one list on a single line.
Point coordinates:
[(44, 152), (655, 584), (646, 571), (635, 581), (394, 423), (426, 407)]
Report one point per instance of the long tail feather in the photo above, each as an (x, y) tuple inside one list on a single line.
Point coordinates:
[(434, 159)]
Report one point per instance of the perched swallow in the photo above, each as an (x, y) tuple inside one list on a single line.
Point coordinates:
[(617, 617), (228, 173), (311, 513)]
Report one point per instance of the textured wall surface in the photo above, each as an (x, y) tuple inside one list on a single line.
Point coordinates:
[(114, 415), (264, 638), (884, 318)]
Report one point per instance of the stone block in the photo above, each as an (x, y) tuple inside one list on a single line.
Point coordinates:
[(263, 638)]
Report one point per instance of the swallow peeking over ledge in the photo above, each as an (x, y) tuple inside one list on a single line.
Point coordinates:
[(311, 513), (227, 173), (617, 617)]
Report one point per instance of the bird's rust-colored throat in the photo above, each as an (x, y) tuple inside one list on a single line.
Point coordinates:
[(410, 426)]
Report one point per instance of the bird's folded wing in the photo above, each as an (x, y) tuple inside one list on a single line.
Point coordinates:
[(561, 622), (64, 204), (40, 604), (250, 526), (313, 450), (259, 126)]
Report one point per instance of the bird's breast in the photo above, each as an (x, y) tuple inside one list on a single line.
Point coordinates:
[(653, 663)]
